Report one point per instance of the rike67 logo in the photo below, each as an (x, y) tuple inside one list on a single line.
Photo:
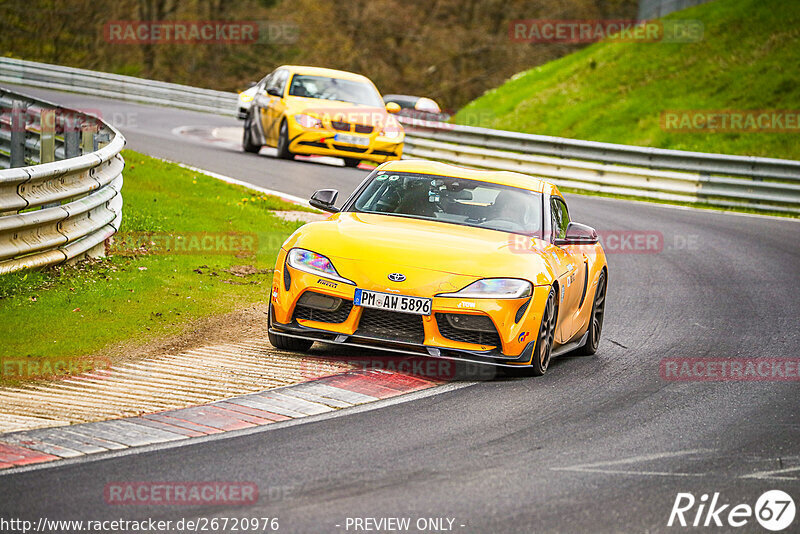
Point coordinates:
[(774, 510)]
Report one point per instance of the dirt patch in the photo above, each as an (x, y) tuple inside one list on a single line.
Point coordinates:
[(246, 270), (239, 325)]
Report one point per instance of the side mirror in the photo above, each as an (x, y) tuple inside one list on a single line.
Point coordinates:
[(272, 91), (578, 234), (324, 200), (392, 107)]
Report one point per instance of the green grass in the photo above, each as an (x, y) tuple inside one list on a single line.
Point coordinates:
[(64, 313), (748, 59)]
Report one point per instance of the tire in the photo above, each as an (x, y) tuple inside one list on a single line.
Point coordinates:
[(283, 142), (351, 162), (289, 343), (544, 340), (596, 319), (285, 342), (247, 136)]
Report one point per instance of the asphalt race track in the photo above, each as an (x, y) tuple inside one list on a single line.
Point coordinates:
[(600, 444)]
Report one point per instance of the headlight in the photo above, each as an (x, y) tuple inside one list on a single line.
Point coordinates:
[(245, 98), (494, 288), (307, 121), (313, 263), (392, 130)]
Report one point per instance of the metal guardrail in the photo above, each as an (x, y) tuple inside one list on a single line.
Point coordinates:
[(116, 86), (673, 175), (652, 9), (676, 175), (58, 204)]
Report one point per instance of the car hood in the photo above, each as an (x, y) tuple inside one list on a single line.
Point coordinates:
[(389, 243)]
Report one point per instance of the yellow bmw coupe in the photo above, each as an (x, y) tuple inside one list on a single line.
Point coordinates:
[(315, 111), (431, 259)]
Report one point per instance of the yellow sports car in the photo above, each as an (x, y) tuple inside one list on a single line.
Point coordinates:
[(309, 110), (431, 259)]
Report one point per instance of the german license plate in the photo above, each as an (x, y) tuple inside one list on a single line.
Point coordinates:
[(392, 302), (351, 139)]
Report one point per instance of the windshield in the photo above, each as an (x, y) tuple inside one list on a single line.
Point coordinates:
[(453, 200), (335, 89)]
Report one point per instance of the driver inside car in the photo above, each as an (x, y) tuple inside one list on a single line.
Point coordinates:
[(509, 206)]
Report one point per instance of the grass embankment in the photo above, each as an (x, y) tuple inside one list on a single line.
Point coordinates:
[(748, 59), (53, 319)]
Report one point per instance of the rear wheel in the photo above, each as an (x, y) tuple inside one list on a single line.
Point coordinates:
[(596, 319), (247, 136), (351, 162), (283, 142), (544, 342)]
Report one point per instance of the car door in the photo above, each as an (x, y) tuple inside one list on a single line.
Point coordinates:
[(572, 271), (274, 106)]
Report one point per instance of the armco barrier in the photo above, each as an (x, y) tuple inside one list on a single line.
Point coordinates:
[(116, 86), (715, 179), (68, 206)]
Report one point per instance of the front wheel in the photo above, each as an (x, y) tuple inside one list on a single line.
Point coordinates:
[(247, 136), (596, 319), (283, 142), (289, 343), (544, 342), (285, 342)]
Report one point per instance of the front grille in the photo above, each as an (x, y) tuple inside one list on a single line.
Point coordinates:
[(313, 143), (350, 148), (467, 336), (338, 316), (392, 326), (383, 153), (363, 128), (341, 126)]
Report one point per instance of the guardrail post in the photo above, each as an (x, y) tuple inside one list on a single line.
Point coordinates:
[(47, 146), (72, 142), (101, 140), (72, 136), (17, 134), (87, 137)]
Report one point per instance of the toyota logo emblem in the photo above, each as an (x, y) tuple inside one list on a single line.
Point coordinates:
[(396, 277)]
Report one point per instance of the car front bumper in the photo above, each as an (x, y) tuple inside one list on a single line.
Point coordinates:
[(322, 142), (516, 322)]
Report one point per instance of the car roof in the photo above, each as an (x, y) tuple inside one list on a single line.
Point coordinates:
[(513, 179), (320, 71)]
